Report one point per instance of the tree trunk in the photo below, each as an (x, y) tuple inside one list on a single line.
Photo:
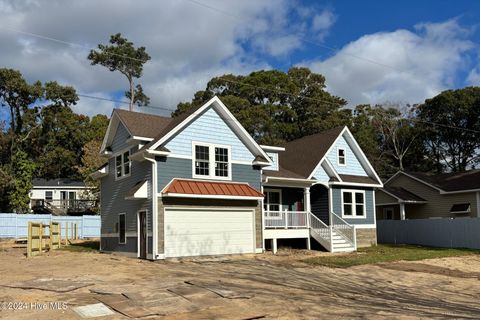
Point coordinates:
[(132, 94)]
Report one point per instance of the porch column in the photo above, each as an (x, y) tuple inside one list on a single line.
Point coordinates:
[(306, 192), (402, 211), (274, 245)]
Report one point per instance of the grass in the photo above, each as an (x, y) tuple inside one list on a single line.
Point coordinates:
[(84, 246), (387, 253)]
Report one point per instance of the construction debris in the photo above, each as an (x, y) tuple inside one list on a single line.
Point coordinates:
[(221, 288), (48, 284), (93, 310)]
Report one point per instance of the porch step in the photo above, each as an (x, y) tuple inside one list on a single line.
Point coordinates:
[(342, 245), (349, 249)]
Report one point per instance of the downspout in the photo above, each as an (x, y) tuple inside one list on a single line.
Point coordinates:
[(154, 208)]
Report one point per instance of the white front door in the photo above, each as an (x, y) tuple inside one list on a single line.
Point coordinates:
[(198, 232)]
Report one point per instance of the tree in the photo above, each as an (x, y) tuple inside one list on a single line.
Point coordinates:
[(451, 127), (122, 56), (275, 106), (23, 169), (91, 161)]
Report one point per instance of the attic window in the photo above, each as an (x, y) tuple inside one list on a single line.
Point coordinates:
[(460, 208), (341, 159)]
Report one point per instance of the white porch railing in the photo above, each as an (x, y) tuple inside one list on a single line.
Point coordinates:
[(345, 229), (286, 219)]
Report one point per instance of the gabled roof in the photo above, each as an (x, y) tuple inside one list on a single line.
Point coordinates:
[(446, 182), (301, 156), (142, 124), (61, 182), (455, 181)]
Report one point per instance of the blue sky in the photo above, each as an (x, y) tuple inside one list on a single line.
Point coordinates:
[(388, 52)]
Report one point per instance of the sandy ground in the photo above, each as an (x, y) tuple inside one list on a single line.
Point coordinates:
[(272, 287)]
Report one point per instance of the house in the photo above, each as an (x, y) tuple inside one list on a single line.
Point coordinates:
[(198, 184), (414, 195), (60, 197)]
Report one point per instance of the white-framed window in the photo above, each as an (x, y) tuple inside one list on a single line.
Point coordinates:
[(341, 157), (272, 203), (48, 196), (122, 236), (122, 164), (211, 161), (388, 213), (353, 204)]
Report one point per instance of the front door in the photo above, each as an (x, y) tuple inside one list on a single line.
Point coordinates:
[(142, 234)]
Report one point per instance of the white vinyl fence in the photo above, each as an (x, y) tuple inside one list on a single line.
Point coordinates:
[(16, 225), (448, 233)]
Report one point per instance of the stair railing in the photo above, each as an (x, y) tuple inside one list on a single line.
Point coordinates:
[(321, 229), (346, 230)]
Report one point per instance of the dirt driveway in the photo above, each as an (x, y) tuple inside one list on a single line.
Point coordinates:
[(261, 286)]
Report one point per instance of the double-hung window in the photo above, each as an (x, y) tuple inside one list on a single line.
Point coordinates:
[(341, 157), (211, 161), (272, 203), (122, 164), (353, 204)]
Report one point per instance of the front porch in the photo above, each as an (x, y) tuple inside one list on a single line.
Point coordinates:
[(304, 213)]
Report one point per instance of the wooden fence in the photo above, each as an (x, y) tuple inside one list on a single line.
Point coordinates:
[(38, 241)]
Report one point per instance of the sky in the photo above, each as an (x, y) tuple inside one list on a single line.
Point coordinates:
[(369, 51)]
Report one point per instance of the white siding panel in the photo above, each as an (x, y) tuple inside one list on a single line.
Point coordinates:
[(210, 128), (197, 232), (353, 166)]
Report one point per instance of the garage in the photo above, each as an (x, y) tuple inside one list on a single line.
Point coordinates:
[(207, 231)]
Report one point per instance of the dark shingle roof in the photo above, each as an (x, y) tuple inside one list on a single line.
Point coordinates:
[(403, 194), (301, 156), (61, 182), (454, 181), (282, 173), (357, 179), (143, 124)]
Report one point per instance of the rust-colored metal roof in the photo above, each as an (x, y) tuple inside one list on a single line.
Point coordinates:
[(211, 188)]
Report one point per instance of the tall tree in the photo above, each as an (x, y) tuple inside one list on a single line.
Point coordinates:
[(23, 168), (451, 126), (122, 56), (275, 106)]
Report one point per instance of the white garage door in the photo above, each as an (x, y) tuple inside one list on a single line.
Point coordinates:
[(197, 232)]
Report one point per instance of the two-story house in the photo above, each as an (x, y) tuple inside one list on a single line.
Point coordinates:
[(199, 184)]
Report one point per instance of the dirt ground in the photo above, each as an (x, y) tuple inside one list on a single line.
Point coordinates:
[(240, 287)]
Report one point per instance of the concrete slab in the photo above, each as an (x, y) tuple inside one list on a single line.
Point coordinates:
[(126, 306), (48, 284)]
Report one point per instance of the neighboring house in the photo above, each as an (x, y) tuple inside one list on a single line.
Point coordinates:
[(408, 195), (195, 185), (60, 197)]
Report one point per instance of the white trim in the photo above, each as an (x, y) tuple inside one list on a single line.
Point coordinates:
[(326, 153), (400, 200), (273, 190), (121, 154), (354, 184), (365, 226), (139, 138), (459, 191), (211, 160), (354, 204), (154, 210), (125, 225), (208, 196), (374, 208), (402, 211), (344, 157), (271, 148), (332, 169), (214, 102)]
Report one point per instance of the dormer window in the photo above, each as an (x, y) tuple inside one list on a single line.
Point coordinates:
[(211, 161), (341, 157)]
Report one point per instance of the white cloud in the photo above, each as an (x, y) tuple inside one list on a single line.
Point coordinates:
[(410, 66), (473, 77), (324, 20), (188, 43)]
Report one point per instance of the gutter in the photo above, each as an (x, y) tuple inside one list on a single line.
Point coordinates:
[(154, 208)]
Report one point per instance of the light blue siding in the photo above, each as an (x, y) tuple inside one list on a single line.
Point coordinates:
[(274, 157), (369, 206), (169, 168), (119, 142), (209, 127), (353, 166), (321, 175)]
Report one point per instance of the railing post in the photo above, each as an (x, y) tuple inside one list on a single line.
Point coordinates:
[(307, 216), (355, 237), (286, 218), (331, 239)]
